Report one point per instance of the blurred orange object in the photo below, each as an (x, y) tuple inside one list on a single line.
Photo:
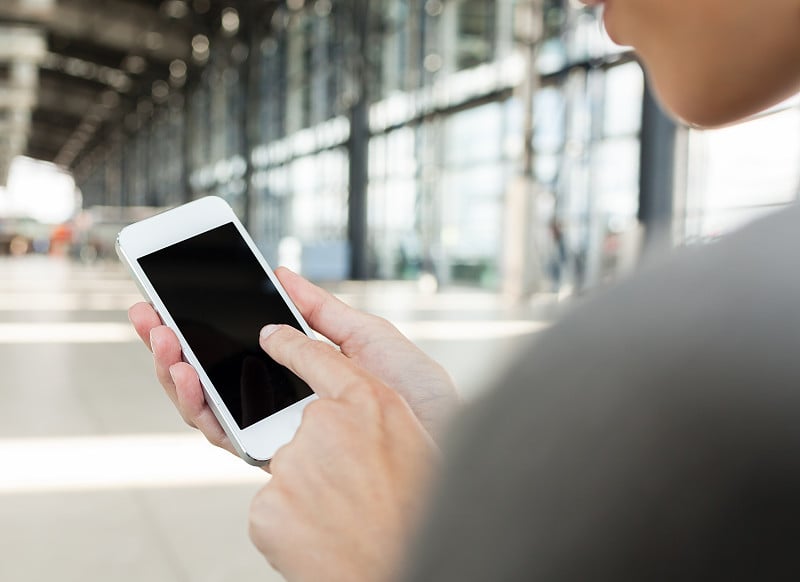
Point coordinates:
[(60, 240)]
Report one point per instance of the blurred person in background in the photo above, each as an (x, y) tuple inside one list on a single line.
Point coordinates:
[(653, 434)]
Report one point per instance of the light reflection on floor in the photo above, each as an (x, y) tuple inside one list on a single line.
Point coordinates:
[(49, 301), (66, 333), (37, 465), (104, 332), (94, 456)]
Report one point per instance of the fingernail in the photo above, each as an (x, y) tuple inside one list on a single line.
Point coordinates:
[(268, 330), (153, 343)]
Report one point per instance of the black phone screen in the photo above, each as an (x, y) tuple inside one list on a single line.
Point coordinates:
[(220, 298)]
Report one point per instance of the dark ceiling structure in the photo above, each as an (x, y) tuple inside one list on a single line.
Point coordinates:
[(71, 68)]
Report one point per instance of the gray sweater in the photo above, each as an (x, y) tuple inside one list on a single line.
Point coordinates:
[(653, 434)]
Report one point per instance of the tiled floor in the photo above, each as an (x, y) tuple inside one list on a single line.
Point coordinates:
[(99, 478)]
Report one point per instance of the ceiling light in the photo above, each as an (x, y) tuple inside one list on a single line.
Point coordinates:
[(177, 69), (230, 21), (200, 43), (153, 41), (160, 90), (134, 64), (200, 47), (175, 9), (434, 7), (323, 8)]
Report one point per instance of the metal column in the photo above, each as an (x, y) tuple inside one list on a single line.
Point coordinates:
[(521, 264), (358, 145), (656, 177)]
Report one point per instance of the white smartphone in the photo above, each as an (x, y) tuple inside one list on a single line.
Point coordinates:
[(207, 280)]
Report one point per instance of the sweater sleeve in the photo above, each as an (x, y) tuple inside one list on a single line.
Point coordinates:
[(652, 435)]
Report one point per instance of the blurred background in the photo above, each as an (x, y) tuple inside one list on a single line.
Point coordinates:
[(462, 167)]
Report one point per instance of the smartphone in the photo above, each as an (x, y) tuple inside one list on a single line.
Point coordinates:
[(207, 280)]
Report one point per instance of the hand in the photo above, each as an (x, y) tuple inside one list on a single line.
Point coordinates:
[(179, 379), (345, 491), (378, 347), (369, 341)]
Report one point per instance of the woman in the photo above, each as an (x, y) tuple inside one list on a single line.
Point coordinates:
[(653, 434)]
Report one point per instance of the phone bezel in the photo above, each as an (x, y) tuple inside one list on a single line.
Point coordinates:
[(257, 443)]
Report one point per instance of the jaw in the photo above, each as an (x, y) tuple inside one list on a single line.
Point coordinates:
[(706, 92)]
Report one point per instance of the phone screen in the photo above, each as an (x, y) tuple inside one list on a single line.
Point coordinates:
[(220, 298)]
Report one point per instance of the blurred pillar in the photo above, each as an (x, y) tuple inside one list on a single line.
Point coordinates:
[(656, 174), (112, 195), (186, 157), (521, 264), (358, 145), (504, 28), (248, 116), (22, 47)]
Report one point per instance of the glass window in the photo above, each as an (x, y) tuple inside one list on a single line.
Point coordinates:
[(731, 181), (623, 100), (475, 33), (392, 205)]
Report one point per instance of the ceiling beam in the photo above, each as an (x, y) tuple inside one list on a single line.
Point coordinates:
[(22, 48), (26, 11), (102, 59), (40, 151), (125, 27), (55, 118), (55, 133), (66, 95)]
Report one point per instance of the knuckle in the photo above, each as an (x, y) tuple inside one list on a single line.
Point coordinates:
[(366, 396), (187, 419), (382, 329), (381, 322), (324, 418), (321, 348), (309, 351), (378, 400), (159, 332), (314, 411), (278, 460), (260, 518), (365, 392), (259, 503), (215, 438)]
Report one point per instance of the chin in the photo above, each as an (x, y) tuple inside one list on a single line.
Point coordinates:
[(717, 113), (702, 117), (711, 103)]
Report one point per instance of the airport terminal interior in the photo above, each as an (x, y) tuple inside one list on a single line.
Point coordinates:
[(466, 168)]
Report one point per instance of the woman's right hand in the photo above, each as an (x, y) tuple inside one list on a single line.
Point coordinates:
[(369, 341), (379, 348)]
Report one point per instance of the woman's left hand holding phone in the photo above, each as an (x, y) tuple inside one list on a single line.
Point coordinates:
[(179, 379), (368, 341)]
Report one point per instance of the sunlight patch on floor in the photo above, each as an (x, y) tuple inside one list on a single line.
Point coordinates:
[(38, 465)]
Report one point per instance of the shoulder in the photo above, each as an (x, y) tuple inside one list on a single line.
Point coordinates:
[(702, 323), (733, 304), (660, 415)]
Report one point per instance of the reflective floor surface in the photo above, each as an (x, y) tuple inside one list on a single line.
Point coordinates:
[(99, 477)]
